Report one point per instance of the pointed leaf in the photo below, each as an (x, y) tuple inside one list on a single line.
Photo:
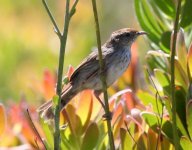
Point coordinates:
[(151, 119), (189, 62), (126, 140), (91, 137), (186, 144), (84, 109), (181, 49)]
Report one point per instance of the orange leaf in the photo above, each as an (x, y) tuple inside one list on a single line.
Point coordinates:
[(49, 84), (70, 71)]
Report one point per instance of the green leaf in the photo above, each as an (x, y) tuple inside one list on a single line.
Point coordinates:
[(168, 130), (151, 119), (189, 117), (162, 77), (126, 140), (151, 18), (167, 7), (91, 137), (186, 19), (186, 144), (142, 18), (147, 99), (180, 98), (180, 76), (48, 133), (165, 41)]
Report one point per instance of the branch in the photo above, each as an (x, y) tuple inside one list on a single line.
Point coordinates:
[(102, 76), (176, 26), (63, 40), (56, 29)]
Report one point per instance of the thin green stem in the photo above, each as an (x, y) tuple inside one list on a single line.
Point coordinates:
[(176, 27), (52, 19), (63, 41), (103, 79)]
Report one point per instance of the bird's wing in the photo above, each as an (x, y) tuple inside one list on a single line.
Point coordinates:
[(86, 62), (90, 64)]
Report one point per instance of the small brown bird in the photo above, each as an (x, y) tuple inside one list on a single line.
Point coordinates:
[(116, 54)]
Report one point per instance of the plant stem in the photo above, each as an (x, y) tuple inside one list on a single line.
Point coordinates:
[(52, 19), (102, 76), (63, 39), (176, 27)]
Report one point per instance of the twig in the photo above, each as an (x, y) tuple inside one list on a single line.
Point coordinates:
[(138, 146), (34, 129), (63, 40), (52, 19), (102, 76), (176, 26)]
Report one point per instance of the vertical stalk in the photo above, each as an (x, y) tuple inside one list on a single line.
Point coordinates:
[(63, 41), (102, 76), (176, 27)]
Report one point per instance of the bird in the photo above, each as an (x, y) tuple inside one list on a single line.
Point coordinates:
[(116, 55)]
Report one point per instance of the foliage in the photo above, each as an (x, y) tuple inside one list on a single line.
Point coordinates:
[(142, 116), (159, 18)]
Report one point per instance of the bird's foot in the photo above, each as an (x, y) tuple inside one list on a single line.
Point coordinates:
[(108, 116)]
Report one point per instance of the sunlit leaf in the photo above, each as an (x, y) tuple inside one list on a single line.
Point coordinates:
[(181, 50), (85, 107), (151, 119), (118, 119), (167, 7), (180, 76), (142, 18), (162, 77), (142, 142), (147, 99), (126, 141), (72, 119), (3, 119), (91, 137), (186, 144), (152, 137), (189, 61)]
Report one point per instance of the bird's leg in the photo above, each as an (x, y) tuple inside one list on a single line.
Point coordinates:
[(105, 116)]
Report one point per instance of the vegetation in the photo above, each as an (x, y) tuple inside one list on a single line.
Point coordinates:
[(150, 111)]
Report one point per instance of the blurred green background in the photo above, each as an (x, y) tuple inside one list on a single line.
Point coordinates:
[(28, 45)]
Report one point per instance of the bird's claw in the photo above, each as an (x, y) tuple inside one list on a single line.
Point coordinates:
[(108, 116)]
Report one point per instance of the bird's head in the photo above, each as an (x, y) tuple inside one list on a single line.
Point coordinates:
[(125, 37)]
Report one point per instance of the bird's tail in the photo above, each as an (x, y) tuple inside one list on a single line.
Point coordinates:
[(46, 110)]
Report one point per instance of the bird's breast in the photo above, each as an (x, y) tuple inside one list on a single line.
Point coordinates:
[(118, 65)]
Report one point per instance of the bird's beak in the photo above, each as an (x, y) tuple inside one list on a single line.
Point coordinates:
[(141, 33)]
